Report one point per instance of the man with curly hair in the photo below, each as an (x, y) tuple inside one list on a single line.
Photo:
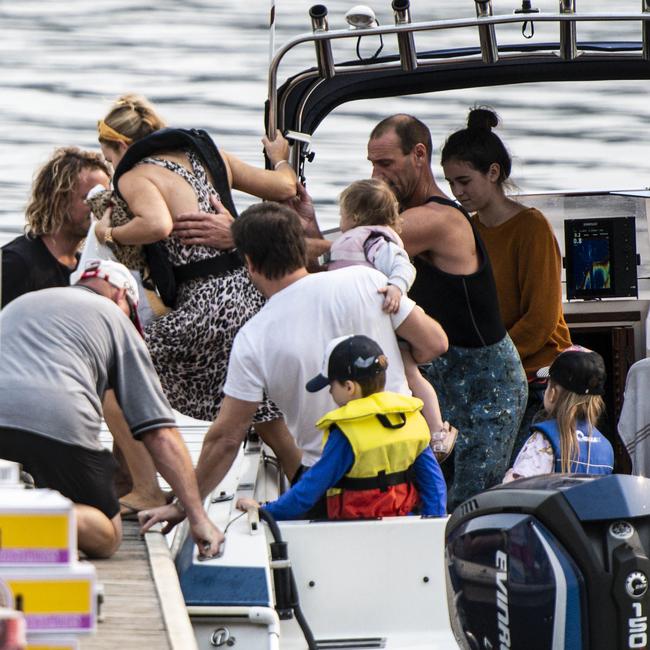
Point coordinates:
[(57, 220)]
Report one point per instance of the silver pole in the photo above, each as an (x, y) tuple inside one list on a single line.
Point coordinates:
[(568, 46), (407, 54), (645, 8), (486, 33), (318, 14), (271, 31)]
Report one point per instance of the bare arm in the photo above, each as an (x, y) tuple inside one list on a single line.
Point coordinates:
[(152, 220), (222, 442), (425, 335), (303, 206), (317, 247), (444, 234), (421, 230), (172, 460), (270, 184)]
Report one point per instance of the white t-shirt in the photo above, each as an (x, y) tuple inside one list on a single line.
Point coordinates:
[(282, 346)]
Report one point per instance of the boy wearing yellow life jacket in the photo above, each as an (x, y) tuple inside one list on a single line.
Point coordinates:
[(376, 459)]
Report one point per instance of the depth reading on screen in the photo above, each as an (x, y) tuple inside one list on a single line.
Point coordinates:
[(601, 258)]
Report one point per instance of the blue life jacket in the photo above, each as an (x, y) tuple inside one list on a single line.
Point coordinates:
[(595, 453)]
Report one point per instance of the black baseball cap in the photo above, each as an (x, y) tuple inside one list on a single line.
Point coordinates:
[(348, 357), (579, 370)]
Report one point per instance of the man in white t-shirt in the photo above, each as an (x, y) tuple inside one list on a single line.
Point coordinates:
[(278, 350)]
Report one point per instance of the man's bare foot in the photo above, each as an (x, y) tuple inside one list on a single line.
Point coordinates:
[(133, 502)]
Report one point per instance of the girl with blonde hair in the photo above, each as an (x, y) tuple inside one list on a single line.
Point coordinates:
[(370, 224), (568, 441)]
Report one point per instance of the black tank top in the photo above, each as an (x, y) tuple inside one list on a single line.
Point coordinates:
[(466, 306)]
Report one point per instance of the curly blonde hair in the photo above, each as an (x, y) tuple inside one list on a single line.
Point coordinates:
[(370, 202), (53, 186), (132, 116)]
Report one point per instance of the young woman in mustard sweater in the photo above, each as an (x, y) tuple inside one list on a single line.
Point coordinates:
[(523, 250)]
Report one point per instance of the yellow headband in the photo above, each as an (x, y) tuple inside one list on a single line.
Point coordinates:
[(107, 133)]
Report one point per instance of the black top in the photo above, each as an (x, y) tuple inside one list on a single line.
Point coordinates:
[(164, 275), (171, 139), (466, 306), (28, 265)]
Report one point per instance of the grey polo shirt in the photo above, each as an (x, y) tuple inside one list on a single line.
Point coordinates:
[(60, 350)]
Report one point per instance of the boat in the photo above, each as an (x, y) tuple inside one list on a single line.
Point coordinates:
[(381, 583)]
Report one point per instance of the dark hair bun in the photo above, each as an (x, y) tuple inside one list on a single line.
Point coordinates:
[(482, 118)]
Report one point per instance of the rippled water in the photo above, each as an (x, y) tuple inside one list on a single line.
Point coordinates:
[(204, 63)]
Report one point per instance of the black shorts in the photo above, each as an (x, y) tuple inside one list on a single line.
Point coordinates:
[(83, 475)]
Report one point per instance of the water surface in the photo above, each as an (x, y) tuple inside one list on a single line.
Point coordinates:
[(204, 64)]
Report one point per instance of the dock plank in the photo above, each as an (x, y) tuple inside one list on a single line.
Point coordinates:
[(132, 611)]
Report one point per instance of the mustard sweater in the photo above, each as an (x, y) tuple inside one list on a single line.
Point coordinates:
[(526, 262)]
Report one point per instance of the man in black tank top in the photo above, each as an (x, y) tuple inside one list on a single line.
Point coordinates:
[(480, 381)]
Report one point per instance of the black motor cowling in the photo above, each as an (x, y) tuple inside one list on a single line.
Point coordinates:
[(557, 561)]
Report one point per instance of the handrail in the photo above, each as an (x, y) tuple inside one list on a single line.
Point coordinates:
[(645, 7), (566, 19)]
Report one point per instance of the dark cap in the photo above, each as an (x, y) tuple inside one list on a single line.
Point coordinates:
[(579, 370), (348, 357)]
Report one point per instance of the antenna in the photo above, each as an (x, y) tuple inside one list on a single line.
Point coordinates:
[(271, 31)]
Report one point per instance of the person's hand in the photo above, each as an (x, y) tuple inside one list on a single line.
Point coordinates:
[(392, 298), (303, 206), (205, 534), (207, 537), (172, 514), (246, 504), (277, 149), (103, 225), (205, 228)]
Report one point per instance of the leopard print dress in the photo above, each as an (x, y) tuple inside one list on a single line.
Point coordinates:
[(190, 345)]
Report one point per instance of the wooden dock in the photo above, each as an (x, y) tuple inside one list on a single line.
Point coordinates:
[(135, 616), (140, 610)]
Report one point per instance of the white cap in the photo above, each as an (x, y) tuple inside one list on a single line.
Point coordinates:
[(116, 274)]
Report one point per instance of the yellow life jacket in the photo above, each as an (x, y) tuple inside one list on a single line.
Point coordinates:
[(387, 433)]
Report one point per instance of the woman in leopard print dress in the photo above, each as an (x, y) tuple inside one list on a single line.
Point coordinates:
[(190, 345)]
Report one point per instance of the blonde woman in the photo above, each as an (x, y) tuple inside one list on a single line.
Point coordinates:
[(161, 174), (568, 441)]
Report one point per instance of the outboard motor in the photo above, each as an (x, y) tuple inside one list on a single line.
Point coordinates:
[(557, 561)]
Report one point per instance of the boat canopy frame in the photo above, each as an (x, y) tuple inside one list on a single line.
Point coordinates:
[(301, 103)]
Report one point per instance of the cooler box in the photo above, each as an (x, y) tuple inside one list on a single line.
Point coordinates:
[(55, 599), (37, 527)]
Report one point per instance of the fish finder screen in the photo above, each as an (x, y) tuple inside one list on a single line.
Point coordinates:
[(601, 258), (592, 258)]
